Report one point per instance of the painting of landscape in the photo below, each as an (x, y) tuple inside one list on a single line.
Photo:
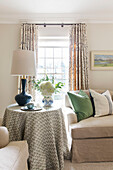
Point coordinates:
[(103, 60)]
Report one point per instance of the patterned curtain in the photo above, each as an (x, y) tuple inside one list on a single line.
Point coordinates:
[(78, 59), (29, 41)]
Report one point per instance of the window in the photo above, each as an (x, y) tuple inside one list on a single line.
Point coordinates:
[(53, 58)]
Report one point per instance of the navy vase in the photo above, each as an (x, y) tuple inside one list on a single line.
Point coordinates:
[(23, 98)]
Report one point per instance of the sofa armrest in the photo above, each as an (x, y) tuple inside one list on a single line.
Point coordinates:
[(4, 136), (67, 102), (69, 118), (69, 115)]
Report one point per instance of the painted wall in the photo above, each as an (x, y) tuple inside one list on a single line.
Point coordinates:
[(100, 37), (9, 41)]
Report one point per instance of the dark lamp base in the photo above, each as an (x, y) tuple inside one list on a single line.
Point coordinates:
[(22, 99)]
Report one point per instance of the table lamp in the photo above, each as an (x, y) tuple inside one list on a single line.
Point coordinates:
[(23, 64)]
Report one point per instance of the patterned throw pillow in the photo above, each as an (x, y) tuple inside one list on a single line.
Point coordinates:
[(81, 105)]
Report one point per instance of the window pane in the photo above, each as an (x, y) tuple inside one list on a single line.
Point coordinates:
[(64, 76), (40, 76), (41, 63), (57, 63), (49, 63), (49, 52), (57, 53), (58, 76), (65, 64), (65, 53), (41, 66), (49, 71), (58, 70), (41, 52)]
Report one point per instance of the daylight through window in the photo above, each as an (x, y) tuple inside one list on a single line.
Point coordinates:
[(53, 58)]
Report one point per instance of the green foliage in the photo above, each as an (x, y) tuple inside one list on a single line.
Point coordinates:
[(58, 86)]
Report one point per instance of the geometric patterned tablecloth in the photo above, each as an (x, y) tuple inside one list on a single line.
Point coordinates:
[(45, 133)]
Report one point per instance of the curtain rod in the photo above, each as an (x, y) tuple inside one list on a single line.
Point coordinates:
[(61, 24)]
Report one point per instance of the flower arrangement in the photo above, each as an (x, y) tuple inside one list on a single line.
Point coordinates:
[(46, 86)]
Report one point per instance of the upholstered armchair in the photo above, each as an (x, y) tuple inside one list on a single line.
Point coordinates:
[(13, 155)]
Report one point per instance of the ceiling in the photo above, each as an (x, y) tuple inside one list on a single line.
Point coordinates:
[(56, 10)]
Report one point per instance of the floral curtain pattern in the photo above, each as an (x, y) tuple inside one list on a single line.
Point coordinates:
[(29, 41), (78, 58)]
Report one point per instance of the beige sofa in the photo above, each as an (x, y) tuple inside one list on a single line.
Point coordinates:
[(92, 138), (13, 155)]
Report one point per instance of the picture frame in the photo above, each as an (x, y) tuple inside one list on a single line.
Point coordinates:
[(101, 60)]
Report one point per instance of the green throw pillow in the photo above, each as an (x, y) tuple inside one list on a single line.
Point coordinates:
[(81, 104)]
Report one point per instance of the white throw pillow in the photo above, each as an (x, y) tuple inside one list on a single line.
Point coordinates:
[(107, 93), (108, 96), (102, 102)]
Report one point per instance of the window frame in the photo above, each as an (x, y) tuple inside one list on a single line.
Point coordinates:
[(66, 39)]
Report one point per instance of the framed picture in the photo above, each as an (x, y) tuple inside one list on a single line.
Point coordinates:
[(101, 60)]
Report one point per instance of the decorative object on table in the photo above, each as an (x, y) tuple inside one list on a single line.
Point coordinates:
[(101, 60), (23, 63), (25, 108), (47, 88), (30, 105)]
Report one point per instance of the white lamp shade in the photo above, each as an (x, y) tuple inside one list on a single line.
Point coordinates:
[(23, 63)]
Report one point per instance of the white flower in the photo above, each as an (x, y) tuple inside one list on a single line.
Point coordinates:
[(46, 88)]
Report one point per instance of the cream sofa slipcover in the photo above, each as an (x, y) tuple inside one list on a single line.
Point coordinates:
[(13, 155), (92, 138)]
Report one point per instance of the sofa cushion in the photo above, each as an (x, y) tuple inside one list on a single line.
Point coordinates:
[(108, 96), (14, 156), (68, 101), (102, 103), (93, 128), (81, 105)]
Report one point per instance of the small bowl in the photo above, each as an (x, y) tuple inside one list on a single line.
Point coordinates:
[(30, 105)]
